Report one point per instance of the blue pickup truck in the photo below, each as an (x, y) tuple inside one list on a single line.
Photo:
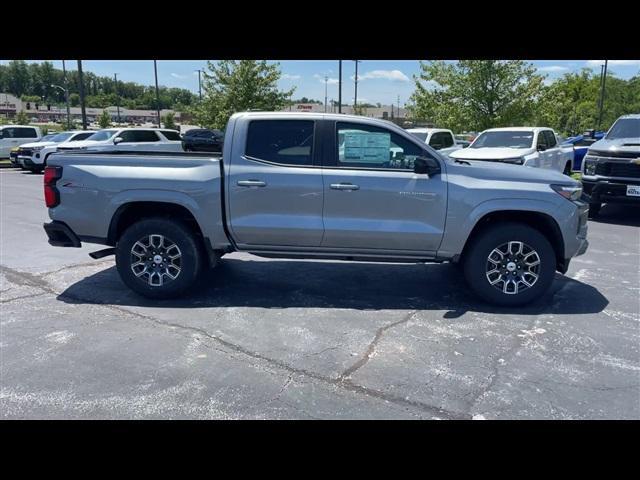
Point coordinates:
[(581, 144)]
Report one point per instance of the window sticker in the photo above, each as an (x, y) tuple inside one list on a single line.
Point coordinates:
[(366, 147)]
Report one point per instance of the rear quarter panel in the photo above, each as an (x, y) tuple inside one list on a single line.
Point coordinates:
[(94, 186)]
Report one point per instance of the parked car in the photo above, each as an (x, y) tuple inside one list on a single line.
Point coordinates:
[(611, 168), (463, 143), (12, 136), (439, 139), (34, 156), (202, 140), (129, 139), (528, 146), (581, 144), (282, 189)]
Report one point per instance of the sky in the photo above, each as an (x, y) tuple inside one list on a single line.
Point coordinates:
[(379, 81)]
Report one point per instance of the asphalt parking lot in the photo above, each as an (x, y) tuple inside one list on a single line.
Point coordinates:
[(311, 339)]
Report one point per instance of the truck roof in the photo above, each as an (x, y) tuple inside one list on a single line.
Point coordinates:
[(517, 129), (428, 130), (630, 115)]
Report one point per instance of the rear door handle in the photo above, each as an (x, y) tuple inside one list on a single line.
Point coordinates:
[(251, 183), (344, 186)]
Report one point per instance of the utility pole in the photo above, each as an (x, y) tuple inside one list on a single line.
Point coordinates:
[(81, 88), (115, 88), (326, 79), (604, 80), (339, 86), (155, 69), (199, 84), (66, 94), (355, 98)]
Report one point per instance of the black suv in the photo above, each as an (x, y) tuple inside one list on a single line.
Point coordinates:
[(203, 140)]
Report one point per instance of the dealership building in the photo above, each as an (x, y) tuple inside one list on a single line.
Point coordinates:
[(11, 105)]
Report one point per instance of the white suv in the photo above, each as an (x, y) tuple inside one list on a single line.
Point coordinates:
[(439, 139), (33, 156), (12, 136), (130, 139)]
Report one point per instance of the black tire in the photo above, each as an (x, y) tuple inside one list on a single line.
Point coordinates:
[(594, 209), (186, 268), (477, 264)]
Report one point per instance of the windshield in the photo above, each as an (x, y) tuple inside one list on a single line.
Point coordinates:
[(61, 137), (504, 139), (47, 138), (421, 135), (102, 135), (625, 128)]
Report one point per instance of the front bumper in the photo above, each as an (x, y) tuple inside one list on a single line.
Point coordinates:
[(609, 191), (60, 235)]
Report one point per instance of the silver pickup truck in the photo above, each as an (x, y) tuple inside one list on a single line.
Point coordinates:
[(317, 186)]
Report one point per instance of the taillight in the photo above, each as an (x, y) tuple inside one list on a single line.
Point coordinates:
[(51, 194)]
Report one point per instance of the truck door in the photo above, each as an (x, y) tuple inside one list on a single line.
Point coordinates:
[(542, 146), (554, 152), (372, 197), (275, 184)]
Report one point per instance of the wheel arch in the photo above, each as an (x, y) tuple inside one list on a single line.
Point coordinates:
[(542, 222)]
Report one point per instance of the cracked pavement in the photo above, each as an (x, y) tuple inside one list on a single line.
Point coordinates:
[(263, 338)]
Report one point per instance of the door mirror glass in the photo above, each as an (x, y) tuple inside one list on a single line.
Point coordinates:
[(117, 140), (541, 148), (426, 165)]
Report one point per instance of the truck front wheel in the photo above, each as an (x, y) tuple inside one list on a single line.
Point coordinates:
[(158, 258), (510, 264)]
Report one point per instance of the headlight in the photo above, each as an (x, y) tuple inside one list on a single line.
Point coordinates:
[(516, 161), (37, 149), (590, 164), (570, 192)]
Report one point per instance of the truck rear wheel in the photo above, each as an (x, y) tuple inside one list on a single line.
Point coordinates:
[(510, 264), (159, 258)]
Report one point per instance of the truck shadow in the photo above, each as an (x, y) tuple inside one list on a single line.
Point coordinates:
[(618, 214), (329, 284)]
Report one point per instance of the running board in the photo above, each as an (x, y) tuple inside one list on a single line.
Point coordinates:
[(102, 253)]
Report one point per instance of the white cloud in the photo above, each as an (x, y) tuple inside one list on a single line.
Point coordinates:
[(615, 63), (181, 77), (393, 75), (553, 68), (287, 76)]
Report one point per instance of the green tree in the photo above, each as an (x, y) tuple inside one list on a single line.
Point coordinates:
[(104, 120), (169, 121), (22, 118), (476, 94), (236, 85)]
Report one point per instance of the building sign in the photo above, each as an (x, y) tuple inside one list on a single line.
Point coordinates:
[(305, 107)]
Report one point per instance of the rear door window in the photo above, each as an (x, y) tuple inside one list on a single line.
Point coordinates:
[(288, 142), (441, 140), (171, 135)]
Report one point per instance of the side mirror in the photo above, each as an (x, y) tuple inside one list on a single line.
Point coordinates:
[(426, 165), (541, 148), (117, 140)]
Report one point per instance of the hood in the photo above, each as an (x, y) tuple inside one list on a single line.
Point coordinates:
[(81, 144), (490, 153), (627, 145), (509, 173), (37, 144)]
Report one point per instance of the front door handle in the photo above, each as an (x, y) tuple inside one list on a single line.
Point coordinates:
[(344, 186), (252, 183)]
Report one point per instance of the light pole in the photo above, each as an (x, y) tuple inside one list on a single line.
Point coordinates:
[(66, 84), (155, 69), (66, 99), (199, 83), (81, 88), (355, 98), (339, 86), (604, 79), (326, 79), (115, 88)]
